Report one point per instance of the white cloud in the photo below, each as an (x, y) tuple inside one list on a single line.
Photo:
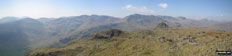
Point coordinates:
[(163, 5), (142, 10)]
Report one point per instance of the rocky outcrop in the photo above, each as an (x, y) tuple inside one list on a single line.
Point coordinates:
[(162, 25), (109, 33)]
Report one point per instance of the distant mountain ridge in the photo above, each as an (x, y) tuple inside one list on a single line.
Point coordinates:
[(8, 19), (140, 22)]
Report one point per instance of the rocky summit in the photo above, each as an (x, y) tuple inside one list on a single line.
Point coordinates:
[(154, 42)]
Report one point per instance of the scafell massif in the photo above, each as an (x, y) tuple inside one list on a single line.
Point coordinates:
[(160, 41), (19, 35)]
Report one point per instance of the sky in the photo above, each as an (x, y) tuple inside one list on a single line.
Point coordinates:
[(196, 9)]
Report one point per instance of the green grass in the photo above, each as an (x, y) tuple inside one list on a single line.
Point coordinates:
[(147, 43)]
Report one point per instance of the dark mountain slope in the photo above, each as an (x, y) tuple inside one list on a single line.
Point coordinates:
[(82, 34), (17, 37), (66, 25), (8, 19)]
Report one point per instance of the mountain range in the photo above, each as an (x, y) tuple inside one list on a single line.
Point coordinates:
[(27, 33)]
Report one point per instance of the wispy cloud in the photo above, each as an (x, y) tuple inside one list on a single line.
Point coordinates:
[(163, 5), (142, 10)]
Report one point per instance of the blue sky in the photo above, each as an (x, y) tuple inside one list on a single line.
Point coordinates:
[(118, 8)]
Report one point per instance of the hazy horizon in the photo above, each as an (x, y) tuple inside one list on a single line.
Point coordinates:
[(195, 9)]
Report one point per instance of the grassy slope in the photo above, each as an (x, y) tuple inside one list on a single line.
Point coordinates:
[(155, 42)]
